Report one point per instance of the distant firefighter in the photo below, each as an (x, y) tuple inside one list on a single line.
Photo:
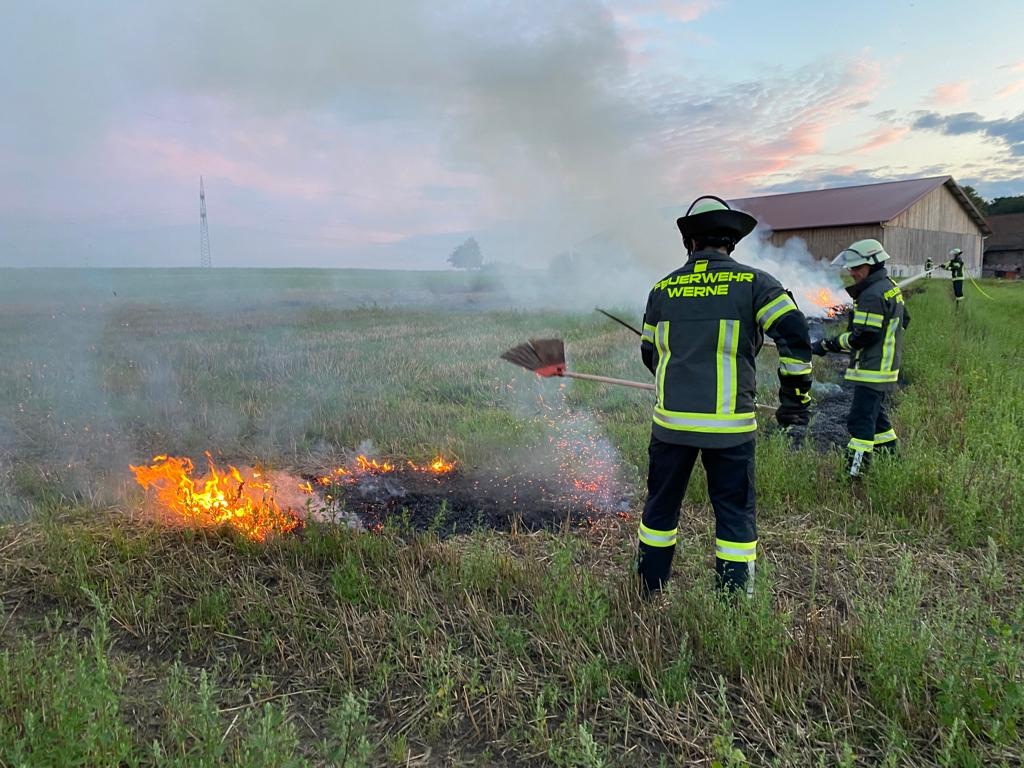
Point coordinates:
[(955, 265), (875, 340), (929, 265)]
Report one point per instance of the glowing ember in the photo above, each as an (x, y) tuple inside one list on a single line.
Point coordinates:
[(243, 501), (363, 466)]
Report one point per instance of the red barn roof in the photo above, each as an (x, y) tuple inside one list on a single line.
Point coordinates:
[(849, 206)]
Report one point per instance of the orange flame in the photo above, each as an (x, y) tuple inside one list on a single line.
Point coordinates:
[(824, 298), (246, 504), (439, 466), (363, 466)]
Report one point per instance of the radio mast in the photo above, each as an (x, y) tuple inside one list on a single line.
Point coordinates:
[(204, 231)]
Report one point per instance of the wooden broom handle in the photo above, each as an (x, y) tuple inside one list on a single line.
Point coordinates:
[(634, 384), (609, 380)]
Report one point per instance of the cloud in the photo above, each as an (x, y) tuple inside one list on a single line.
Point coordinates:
[(735, 136), (949, 94), (883, 137), (686, 10), (1009, 131), (1009, 90)]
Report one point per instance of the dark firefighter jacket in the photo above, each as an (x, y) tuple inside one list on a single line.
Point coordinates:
[(875, 332), (703, 327), (955, 267)]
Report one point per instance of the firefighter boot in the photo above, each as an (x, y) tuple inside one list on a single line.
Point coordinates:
[(653, 565), (735, 578), (857, 463)]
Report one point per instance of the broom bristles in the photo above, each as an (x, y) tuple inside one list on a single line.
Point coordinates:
[(545, 357)]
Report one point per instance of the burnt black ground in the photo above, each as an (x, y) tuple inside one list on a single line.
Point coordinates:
[(453, 504)]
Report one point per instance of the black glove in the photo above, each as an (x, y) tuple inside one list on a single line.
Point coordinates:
[(794, 405), (818, 347)]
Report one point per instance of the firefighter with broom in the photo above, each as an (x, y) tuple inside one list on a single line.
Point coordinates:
[(702, 329), (875, 341)]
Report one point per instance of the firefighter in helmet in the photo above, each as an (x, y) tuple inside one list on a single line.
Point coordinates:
[(703, 326), (955, 265), (874, 339)]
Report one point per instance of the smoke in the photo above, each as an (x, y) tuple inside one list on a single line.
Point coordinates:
[(815, 285)]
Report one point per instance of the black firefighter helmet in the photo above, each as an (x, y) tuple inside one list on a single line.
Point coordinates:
[(711, 220)]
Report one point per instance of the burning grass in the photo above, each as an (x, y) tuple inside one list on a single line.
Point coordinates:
[(244, 500), (887, 626)]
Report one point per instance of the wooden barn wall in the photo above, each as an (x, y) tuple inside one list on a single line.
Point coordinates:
[(939, 210), (826, 242), (910, 247)]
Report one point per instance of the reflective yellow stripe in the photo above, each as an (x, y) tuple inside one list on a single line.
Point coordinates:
[(790, 366), (655, 538), (844, 341), (648, 334), (856, 444), (722, 423), (869, 319), (725, 364), (889, 347), (774, 309), (736, 551), (885, 437), (661, 343), (872, 377)]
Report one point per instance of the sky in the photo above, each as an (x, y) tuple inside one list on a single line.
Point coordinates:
[(334, 133)]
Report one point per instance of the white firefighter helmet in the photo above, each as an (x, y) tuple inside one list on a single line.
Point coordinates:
[(862, 252), (954, 252)]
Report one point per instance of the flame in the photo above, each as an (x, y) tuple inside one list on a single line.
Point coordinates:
[(246, 504), (363, 465), (439, 466), (832, 304)]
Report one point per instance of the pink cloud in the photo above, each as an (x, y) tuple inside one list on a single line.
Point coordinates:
[(1011, 89), (882, 138), (175, 159), (949, 94), (686, 10)]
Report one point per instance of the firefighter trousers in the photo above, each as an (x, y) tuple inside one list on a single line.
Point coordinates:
[(958, 288), (870, 428), (730, 473)]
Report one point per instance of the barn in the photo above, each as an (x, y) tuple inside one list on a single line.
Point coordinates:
[(1004, 251), (913, 219)]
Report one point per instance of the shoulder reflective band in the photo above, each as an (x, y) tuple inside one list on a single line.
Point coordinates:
[(655, 538), (728, 342), (872, 377), (844, 341), (648, 334), (889, 347), (790, 366), (736, 551), (664, 353), (885, 437), (722, 423), (774, 309), (869, 319), (856, 444)]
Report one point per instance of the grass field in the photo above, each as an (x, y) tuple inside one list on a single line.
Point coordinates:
[(887, 627)]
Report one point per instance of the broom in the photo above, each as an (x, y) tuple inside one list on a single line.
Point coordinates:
[(546, 357)]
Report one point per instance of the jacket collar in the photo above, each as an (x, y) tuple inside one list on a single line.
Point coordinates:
[(857, 289), (708, 255)]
